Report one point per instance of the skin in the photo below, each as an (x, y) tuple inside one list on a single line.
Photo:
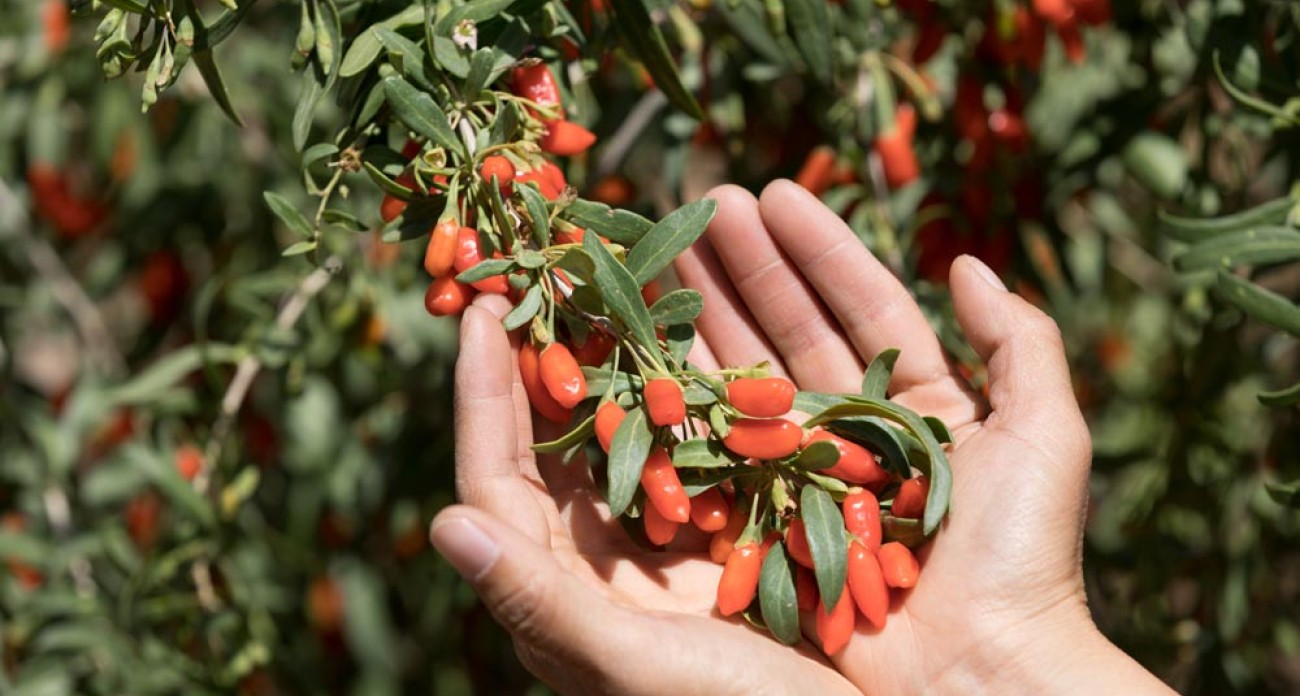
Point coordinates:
[(1000, 605)]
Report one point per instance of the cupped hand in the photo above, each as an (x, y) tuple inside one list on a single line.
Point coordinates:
[(1000, 599)]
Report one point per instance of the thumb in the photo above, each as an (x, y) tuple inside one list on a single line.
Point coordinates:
[(1030, 390), (561, 625)]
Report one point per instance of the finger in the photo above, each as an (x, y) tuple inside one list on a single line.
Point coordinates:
[(547, 610), (488, 464), (804, 333), (725, 324), (1030, 390), (874, 309)]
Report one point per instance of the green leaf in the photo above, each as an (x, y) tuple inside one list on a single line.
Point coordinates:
[(288, 214), (939, 429), (907, 532), (535, 204), (216, 85), (669, 238), (481, 63), (525, 310), (627, 456), (362, 53), (1282, 397), (171, 484), (816, 402), (809, 22), (875, 382), (573, 438), (1264, 305), (934, 464), (318, 152), (646, 42), (367, 624), (777, 597), (1158, 163), (621, 226), (421, 113), (824, 527), (449, 56), (677, 307), (1261, 245), (1193, 230), (150, 383), (679, 339), (1285, 494), (622, 293), (305, 112), (328, 37), (486, 269), (890, 444), (300, 248), (819, 455), (404, 55), (701, 453)]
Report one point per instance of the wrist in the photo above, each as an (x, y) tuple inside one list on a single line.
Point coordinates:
[(1058, 652)]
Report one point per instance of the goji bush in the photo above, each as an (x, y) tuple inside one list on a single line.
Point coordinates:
[(225, 418)]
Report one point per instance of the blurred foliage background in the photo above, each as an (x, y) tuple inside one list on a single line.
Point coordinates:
[(1100, 164)]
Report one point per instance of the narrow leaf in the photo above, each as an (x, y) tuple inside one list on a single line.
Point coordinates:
[(627, 455), (421, 113), (577, 436), (1282, 397), (288, 214), (1264, 305), (486, 269), (701, 453), (817, 456), (1187, 229), (677, 307), (216, 85), (824, 527), (776, 596), (876, 380), (622, 293), (622, 226), (809, 22), (669, 238), (647, 43), (1248, 247), (525, 310)]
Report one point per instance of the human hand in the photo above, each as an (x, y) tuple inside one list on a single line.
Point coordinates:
[(788, 283)]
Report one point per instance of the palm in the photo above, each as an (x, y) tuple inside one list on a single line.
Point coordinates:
[(790, 285)]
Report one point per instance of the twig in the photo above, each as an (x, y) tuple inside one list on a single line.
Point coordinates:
[(96, 339), (616, 148), (251, 365)]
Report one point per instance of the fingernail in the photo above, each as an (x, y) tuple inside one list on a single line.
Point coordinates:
[(469, 549), (985, 272)]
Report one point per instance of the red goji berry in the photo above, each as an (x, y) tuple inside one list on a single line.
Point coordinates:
[(796, 543), (56, 24), (447, 296), (1058, 12), (531, 375), (710, 510), (763, 438), (816, 172), (894, 146), (898, 565), (142, 515), (1072, 40), (739, 582), (651, 292), (766, 397), (440, 254), (805, 588), (663, 398), (910, 501), (536, 83), (862, 517), (562, 376), (543, 183), (856, 463), (189, 460), (867, 584), (835, 626), (468, 255), (595, 350), (325, 605), (724, 542), (658, 529), (498, 167), (566, 139), (391, 207), (663, 487), (608, 417)]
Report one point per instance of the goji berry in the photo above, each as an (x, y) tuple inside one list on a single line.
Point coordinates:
[(1072, 40), (562, 376), (28, 576), (763, 438), (910, 501), (724, 542), (530, 374), (440, 254), (663, 487), (391, 207), (796, 543), (447, 296), (805, 588), (595, 350), (765, 397), (651, 292), (325, 605), (1058, 12), (56, 24), (614, 190), (189, 460), (663, 398), (468, 255), (142, 515), (536, 177), (536, 83), (608, 417), (898, 565), (862, 517), (498, 167), (739, 582), (566, 139), (856, 463), (894, 146), (835, 626), (867, 584), (815, 174), (658, 529), (710, 510)]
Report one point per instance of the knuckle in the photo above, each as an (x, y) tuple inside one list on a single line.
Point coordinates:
[(521, 608)]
